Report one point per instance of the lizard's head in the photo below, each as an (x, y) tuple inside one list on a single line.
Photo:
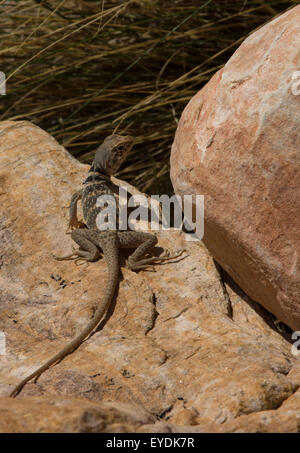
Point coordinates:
[(113, 151)]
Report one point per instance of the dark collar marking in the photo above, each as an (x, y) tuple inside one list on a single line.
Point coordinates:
[(95, 177)]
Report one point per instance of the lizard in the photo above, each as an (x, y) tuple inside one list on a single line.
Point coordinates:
[(91, 240)]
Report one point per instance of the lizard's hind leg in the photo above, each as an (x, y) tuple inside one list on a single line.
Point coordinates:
[(87, 251), (143, 242)]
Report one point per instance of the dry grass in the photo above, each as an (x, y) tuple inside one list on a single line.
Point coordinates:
[(84, 69)]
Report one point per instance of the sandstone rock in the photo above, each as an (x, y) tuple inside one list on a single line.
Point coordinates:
[(284, 419), (179, 347), (237, 143), (62, 415)]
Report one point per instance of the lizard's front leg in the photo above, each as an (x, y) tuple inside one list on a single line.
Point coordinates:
[(73, 219)]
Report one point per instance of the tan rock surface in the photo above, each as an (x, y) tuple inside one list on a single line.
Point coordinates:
[(238, 143), (62, 415), (169, 349)]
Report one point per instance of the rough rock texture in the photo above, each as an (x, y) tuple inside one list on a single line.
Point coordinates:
[(64, 415), (238, 143), (181, 349)]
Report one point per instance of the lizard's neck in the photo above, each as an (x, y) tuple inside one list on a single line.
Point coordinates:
[(97, 174)]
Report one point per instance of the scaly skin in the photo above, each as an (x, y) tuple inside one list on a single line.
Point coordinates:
[(91, 240)]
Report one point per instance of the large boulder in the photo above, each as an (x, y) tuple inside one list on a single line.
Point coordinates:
[(238, 144)]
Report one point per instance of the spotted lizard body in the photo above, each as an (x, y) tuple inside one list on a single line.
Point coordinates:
[(108, 158)]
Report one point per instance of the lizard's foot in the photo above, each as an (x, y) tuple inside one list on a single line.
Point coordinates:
[(71, 256), (146, 263), (140, 265), (80, 255), (74, 224), (86, 255), (86, 258), (166, 256)]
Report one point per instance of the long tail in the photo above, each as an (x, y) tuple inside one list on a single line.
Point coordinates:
[(113, 278)]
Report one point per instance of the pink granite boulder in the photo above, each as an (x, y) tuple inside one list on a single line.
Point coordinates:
[(238, 143)]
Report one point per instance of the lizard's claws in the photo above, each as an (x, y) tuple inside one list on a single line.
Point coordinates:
[(78, 259), (74, 225)]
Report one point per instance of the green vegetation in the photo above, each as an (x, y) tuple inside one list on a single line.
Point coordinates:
[(82, 70)]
